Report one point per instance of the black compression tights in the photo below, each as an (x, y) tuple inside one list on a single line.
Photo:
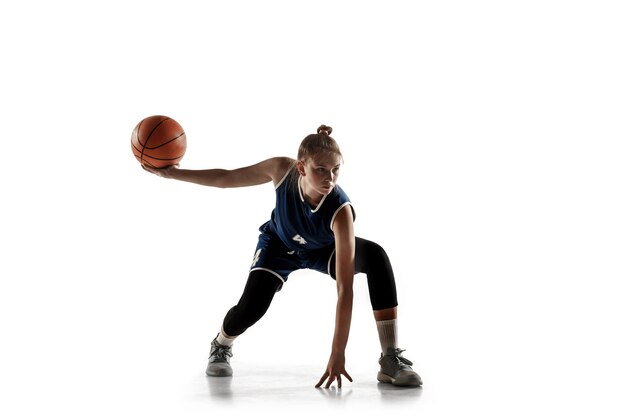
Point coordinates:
[(370, 259)]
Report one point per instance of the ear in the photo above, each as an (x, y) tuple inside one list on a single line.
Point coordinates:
[(300, 167)]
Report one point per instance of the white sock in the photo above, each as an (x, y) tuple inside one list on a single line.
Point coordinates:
[(387, 333), (225, 340)]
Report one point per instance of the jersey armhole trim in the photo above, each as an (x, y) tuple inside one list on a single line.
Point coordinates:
[(284, 177), (347, 203)]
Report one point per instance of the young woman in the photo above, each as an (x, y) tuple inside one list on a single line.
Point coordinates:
[(311, 227)]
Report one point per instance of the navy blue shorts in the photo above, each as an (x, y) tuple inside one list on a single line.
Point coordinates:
[(273, 256)]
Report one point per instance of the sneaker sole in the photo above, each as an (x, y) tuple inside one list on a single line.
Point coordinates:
[(219, 372), (406, 380)]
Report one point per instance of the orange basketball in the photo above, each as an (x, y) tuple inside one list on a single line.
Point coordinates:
[(158, 142)]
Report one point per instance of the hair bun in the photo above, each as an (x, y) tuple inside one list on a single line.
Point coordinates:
[(324, 129)]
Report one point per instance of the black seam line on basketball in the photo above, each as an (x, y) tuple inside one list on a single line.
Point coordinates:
[(163, 159), (150, 134), (139, 141), (163, 144), (137, 149), (149, 164)]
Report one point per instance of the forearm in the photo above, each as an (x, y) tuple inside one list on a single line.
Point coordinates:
[(260, 173), (343, 319), (208, 177)]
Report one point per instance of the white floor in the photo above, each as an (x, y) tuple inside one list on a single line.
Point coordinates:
[(292, 389), (119, 368)]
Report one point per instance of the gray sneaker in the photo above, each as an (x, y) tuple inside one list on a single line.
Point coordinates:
[(396, 369), (219, 362)]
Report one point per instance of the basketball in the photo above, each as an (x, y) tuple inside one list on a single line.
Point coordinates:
[(158, 142)]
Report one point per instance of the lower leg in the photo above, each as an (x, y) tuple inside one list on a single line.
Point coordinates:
[(394, 368), (372, 259), (386, 324), (224, 339), (386, 314), (253, 304)]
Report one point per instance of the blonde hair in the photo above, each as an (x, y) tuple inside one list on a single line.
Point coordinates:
[(320, 142)]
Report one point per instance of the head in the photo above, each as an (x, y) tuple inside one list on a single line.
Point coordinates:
[(319, 159)]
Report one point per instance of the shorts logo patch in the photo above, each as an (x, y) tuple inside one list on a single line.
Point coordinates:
[(257, 255), (299, 239)]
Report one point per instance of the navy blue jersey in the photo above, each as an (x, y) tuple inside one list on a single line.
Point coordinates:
[(300, 226)]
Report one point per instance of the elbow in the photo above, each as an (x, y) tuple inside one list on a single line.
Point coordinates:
[(345, 292), (221, 181), (344, 287)]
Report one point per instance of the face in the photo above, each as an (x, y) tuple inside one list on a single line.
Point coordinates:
[(319, 174)]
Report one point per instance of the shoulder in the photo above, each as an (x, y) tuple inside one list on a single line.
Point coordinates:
[(343, 218), (277, 167), (343, 209), (281, 165)]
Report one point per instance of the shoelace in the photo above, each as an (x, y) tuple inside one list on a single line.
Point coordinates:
[(401, 358), (222, 352)]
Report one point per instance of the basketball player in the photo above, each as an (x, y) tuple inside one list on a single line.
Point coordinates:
[(311, 227)]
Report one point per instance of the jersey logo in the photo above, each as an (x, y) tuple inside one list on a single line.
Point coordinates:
[(299, 239)]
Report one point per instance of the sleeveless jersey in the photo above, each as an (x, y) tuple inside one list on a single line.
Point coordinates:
[(299, 225)]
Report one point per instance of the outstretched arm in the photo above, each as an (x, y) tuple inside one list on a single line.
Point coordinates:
[(344, 256), (272, 169)]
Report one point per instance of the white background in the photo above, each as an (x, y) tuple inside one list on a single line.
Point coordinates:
[(484, 149)]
